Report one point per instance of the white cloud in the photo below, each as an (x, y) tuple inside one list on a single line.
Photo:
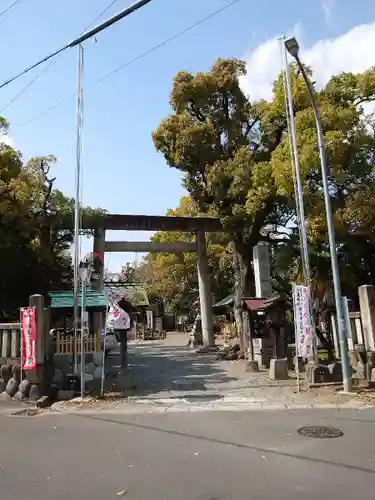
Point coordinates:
[(5, 139), (351, 51)]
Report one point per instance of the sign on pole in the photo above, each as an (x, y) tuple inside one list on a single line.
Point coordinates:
[(28, 338), (150, 319), (302, 321)]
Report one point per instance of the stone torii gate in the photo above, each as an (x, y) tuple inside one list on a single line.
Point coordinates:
[(196, 225)]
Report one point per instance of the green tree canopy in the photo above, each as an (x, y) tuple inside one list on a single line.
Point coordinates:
[(34, 257), (349, 139), (216, 137), (235, 159)]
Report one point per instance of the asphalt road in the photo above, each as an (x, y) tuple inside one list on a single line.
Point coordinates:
[(189, 456)]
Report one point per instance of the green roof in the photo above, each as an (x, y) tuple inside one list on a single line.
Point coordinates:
[(226, 301), (63, 299)]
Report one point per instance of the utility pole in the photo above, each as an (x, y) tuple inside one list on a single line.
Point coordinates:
[(77, 201)]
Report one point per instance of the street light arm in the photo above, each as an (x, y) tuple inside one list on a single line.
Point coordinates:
[(346, 370), (311, 92)]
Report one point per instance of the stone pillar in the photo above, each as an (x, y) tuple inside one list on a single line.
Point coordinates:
[(37, 301), (205, 298), (262, 273), (99, 248), (367, 306)]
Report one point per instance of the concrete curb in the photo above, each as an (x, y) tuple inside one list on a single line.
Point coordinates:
[(224, 404)]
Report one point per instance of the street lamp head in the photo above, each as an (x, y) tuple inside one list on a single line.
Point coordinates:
[(292, 46)]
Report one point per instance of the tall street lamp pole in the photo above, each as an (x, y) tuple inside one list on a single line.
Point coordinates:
[(305, 259), (292, 47)]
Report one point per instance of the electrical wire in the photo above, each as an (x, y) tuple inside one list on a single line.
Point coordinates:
[(9, 7), (7, 10), (51, 63), (81, 38), (132, 61)]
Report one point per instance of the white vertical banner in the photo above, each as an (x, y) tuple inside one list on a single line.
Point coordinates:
[(150, 319), (296, 353), (302, 321)]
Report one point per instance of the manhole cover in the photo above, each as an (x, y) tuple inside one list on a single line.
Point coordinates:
[(320, 432)]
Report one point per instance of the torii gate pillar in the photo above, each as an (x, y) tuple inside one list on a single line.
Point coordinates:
[(99, 248), (205, 298)]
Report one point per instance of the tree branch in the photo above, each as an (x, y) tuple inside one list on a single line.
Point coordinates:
[(196, 112)]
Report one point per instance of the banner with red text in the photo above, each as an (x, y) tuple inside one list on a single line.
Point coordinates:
[(302, 321), (28, 338)]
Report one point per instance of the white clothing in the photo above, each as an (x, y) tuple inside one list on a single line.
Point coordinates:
[(117, 318)]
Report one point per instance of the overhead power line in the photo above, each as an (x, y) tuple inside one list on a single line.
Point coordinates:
[(132, 61), (98, 17), (6, 12), (81, 38), (9, 7), (51, 63)]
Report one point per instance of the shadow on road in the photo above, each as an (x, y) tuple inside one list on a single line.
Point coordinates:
[(176, 370), (260, 449)]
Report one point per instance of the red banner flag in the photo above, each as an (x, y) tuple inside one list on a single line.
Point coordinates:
[(28, 338)]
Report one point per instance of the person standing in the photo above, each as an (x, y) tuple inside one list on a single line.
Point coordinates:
[(118, 320)]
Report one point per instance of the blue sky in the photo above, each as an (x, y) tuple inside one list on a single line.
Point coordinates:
[(122, 172)]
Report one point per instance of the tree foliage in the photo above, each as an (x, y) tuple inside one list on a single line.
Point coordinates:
[(235, 159), (34, 257), (216, 138), (349, 138)]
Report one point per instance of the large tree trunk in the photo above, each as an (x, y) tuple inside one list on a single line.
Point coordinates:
[(243, 287)]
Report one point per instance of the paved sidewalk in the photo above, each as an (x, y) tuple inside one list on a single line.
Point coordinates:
[(172, 377)]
